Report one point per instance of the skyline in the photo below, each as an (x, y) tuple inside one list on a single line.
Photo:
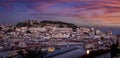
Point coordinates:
[(103, 13), (59, 28)]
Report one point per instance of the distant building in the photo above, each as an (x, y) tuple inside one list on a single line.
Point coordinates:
[(23, 29), (37, 29), (92, 31), (110, 33), (18, 29), (64, 29), (98, 32)]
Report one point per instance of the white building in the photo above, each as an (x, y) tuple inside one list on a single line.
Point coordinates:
[(64, 29), (98, 32), (24, 29), (60, 35), (37, 29)]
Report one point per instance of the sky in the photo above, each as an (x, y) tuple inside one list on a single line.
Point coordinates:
[(105, 13)]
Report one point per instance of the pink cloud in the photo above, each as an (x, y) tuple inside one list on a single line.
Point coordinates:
[(43, 6)]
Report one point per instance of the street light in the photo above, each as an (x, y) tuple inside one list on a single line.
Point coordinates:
[(51, 49), (88, 51)]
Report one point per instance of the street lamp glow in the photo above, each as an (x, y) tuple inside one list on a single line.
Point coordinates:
[(51, 49), (88, 51)]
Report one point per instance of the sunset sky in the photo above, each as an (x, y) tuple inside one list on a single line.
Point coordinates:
[(81, 12)]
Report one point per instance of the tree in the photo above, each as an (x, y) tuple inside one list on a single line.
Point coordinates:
[(114, 50), (1, 28), (9, 30), (28, 31)]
